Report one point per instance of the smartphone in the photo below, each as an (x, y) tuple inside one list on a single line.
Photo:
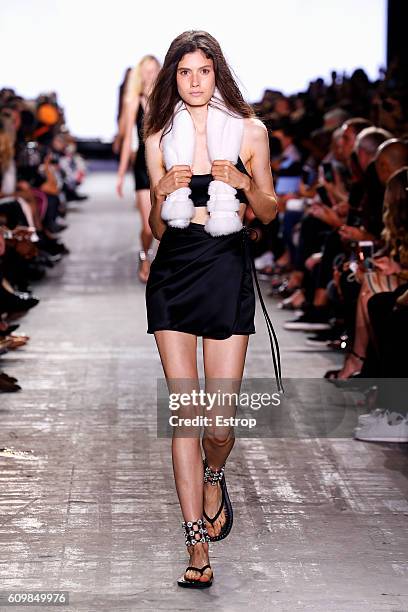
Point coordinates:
[(365, 253), (324, 196), (328, 172)]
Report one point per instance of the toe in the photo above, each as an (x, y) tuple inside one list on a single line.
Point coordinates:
[(207, 575)]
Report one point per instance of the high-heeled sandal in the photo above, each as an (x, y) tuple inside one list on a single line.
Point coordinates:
[(191, 530), (214, 476), (333, 375)]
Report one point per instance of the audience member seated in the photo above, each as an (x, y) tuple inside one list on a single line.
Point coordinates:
[(40, 172)]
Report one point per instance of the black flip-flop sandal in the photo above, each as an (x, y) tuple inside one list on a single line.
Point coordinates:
[(214, 476), (196, 583), (191, 540), (332, 374)]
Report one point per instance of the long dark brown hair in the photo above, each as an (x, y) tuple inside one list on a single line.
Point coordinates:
[(396, 215), (164, 96)]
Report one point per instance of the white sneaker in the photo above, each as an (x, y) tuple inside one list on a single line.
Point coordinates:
[(264, 260), (370, 416), (385, 427)]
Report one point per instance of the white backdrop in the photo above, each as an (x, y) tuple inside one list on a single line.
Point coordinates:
[(80, 48)]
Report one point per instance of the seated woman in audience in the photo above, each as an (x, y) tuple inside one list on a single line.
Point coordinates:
[(391, 269)]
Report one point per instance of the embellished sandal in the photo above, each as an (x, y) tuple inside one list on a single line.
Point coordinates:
[(214, 476), (191, 532)]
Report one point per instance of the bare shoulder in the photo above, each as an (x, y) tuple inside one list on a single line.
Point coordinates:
[(154, 156), (153, 140), (153, 146), (254, 130)]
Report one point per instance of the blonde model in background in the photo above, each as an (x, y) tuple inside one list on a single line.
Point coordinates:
[(138, 86)]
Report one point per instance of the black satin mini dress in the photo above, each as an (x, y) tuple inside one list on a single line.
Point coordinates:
[(201, 284)]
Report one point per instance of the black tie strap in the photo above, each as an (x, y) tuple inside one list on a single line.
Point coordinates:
[(272, 335)]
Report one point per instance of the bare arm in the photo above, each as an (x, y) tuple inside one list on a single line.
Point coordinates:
[(259, 189), (118, 140), (156, 170), (129, 111), (122, 123)]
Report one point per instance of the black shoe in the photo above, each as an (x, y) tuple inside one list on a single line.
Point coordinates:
[(5, 376), (55, 227), (16, 302), (52, 246), (315, 319), (74, 196), (214, 476), (325, 338), (10, 329), (190, 533), (8, 386), (48, 260), (35, 272)]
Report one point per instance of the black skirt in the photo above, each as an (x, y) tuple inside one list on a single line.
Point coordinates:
[(201, 284)]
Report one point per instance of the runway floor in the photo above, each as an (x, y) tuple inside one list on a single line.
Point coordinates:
[(88, 503)]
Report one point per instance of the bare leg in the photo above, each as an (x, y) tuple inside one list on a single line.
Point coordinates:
[(223, 359), (320, 298), (352, 362), (146, 237), (178, 353)]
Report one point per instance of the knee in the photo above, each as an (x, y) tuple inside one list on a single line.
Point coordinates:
[(219, 438)]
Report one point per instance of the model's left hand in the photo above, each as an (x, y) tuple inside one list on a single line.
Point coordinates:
[(224, 170)]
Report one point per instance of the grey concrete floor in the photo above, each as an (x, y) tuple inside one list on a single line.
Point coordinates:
[(88, 503)]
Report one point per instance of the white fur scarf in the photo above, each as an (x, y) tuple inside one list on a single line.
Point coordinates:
[(224, 137)]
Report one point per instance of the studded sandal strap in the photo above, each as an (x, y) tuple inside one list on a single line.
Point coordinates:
[(212, 476), (191, 532)]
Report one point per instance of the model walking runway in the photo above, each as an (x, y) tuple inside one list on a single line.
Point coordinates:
[(88, 502)]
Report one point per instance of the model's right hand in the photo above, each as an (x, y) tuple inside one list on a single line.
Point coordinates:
[(177, 177), (119, 186)]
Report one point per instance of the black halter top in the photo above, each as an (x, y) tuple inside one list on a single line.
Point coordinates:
[(199, 186)]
